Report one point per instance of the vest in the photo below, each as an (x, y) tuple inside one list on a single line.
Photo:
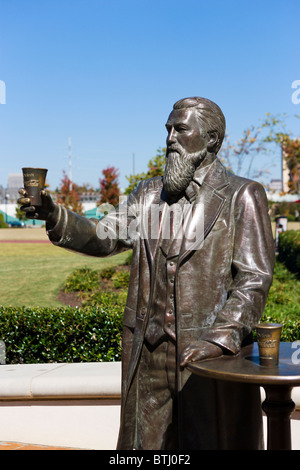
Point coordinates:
[(162, 319)]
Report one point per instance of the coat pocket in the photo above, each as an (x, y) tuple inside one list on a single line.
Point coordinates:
[(129, 318)]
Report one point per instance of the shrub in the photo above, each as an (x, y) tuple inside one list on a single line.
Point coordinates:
[(3, 224), (107, 273), (283, 303), (82, 279), (289, 250), (284, 295), (37, 335), (121, 279), (108, 300)]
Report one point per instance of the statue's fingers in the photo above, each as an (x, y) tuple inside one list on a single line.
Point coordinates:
[(45, 195), (23, 200), (22, 192), (184, 358), (28, 209)]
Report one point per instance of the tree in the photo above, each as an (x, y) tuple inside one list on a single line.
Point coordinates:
[(289, 146), (3, 224), (68, 195), (109, 186), (291, 153), (239, 157), (21, 215), (257, 140), (156, 167)]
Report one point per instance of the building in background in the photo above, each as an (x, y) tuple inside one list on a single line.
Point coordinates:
[(14, 183), (275, 185), (89, 197)]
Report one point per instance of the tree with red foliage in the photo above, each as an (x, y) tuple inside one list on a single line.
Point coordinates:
[(109, 186), (68, 195), (291, 154)]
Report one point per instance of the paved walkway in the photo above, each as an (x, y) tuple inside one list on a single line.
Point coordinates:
[(22, 446)]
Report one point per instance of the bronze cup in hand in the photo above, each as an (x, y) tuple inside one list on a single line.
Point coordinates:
[(34, 183)]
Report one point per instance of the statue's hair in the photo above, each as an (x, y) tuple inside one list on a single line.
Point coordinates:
[(209, 115)]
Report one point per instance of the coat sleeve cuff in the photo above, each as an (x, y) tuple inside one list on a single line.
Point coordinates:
[(228, 339), (56, 232)]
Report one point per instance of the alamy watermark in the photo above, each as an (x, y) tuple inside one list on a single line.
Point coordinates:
[(296, 354), (2, 92), (153, 222), (296, 93)]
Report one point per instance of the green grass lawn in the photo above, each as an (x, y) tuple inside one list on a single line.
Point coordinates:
[(32, 274)]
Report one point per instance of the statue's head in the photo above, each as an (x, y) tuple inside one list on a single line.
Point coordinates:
[(209, 116), (195, 127)]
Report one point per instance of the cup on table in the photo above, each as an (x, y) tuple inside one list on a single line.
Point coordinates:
[(34, 183), (268, 340)]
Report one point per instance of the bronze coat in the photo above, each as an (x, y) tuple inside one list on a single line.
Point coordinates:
[(221, 290)]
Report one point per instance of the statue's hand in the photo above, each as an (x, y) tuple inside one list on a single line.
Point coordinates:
[(47, 211), (199, 351)]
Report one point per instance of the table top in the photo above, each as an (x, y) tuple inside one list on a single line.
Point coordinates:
[(245, 367)]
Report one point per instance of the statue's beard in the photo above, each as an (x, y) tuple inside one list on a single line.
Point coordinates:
[(180, 168)]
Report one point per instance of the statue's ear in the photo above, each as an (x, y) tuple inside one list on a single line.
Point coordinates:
[(213, 139)]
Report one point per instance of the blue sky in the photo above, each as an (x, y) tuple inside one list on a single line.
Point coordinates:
[(106, 74)]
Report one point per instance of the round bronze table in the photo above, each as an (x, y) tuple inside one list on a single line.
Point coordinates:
[(277, 381)]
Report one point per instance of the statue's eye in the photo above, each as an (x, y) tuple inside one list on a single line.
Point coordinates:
[(181, 128)]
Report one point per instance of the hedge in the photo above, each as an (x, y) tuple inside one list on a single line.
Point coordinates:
[(289, 250), (43, 335), (290, 328)]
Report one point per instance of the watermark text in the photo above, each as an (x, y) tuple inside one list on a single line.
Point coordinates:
[(296, 353), (153, 222), (296, 93), (2, 92)]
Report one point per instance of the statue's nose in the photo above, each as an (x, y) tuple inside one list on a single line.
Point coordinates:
[(171, 136)]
